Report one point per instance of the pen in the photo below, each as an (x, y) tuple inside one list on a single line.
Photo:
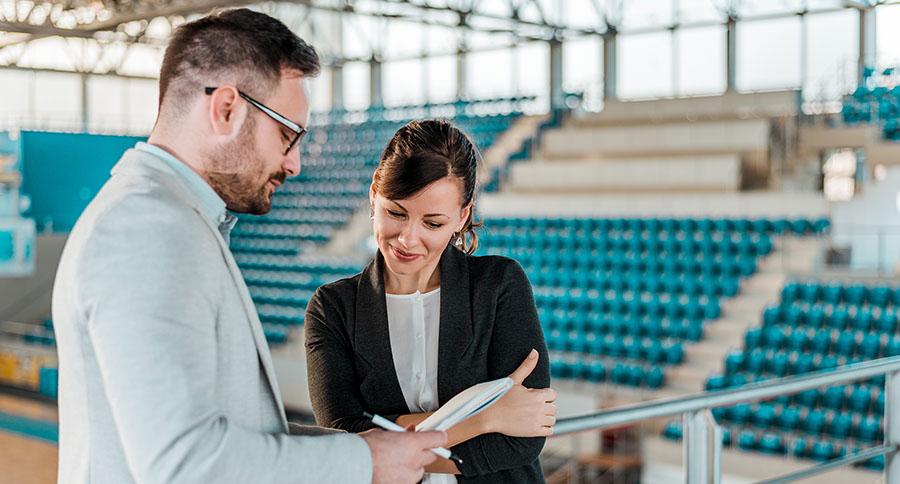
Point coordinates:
[(388, 425)]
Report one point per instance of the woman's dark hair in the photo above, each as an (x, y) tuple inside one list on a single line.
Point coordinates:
[(423, 152)]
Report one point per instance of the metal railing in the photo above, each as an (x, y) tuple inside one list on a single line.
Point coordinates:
[(703, 438)]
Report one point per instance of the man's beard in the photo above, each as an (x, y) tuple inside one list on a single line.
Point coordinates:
[(234, 174)]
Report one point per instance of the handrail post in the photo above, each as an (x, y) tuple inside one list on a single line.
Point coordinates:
[(892, 426), (702, 448)]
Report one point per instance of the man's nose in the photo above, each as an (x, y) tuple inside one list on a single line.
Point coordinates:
[(291, 162)]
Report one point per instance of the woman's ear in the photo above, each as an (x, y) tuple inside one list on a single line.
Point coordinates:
[(372, 194), (464, 216)]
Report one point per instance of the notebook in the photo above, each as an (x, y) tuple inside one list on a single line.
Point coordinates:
[(465, 404)]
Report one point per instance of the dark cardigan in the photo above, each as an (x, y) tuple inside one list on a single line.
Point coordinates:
[(488, 324)]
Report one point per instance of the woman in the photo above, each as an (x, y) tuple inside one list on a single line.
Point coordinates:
[(426, 319)]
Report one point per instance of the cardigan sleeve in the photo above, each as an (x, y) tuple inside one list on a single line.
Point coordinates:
[(516, 331), (333, 382)]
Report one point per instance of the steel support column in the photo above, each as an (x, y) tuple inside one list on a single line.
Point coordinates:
[(337, 87), (462, 88), (85, 108), (557, 98), (892, 426), (731, 54), (375, 98), (867, 42), (609, 63), (702, 448)]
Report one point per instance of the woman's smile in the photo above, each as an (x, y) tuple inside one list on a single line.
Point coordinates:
[(404, 256)]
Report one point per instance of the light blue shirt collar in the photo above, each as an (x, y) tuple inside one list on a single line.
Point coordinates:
[(212, 203)]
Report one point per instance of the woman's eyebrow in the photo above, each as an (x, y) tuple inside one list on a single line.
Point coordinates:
[(426, 215)]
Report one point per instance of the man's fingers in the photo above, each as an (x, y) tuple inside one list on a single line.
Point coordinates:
[(427, 457), (430, 440), (525, 368), (420, 474)]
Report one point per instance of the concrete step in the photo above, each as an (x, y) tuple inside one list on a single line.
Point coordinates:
[(701, 173), (698, 205), (746, 136)]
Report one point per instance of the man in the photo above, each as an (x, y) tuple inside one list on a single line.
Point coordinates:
[(165, 375)]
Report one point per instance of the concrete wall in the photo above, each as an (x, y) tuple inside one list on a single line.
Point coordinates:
[(62, 172), (816, 139), (869, 225), (27, 299), (701, 173)]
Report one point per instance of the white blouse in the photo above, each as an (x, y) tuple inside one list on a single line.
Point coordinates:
[(414, 324)]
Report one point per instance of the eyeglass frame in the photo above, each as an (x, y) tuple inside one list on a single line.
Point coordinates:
[(299, 131)]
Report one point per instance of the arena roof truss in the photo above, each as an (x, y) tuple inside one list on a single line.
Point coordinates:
[(101, 36)]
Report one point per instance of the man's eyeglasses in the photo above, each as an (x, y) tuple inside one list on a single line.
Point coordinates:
[(295, 128)]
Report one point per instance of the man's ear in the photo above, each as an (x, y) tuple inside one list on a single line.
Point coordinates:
[(225, 112)]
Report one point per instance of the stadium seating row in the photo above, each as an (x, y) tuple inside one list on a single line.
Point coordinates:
[(621, 325), (829, 316), (647, 349), (778, 443), (849, 343), (589, 245), (595, 371), (801, 226), (836, 293)]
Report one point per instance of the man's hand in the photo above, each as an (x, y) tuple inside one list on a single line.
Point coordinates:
[(401, 456)]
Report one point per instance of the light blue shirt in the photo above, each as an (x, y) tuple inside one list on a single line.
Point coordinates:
[(212, 203)]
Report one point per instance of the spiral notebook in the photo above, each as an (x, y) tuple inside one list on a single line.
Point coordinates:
[(465, 404)]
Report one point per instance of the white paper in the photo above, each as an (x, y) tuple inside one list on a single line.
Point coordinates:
[(465, 404)]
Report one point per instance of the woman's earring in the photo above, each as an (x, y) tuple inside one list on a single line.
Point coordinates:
[(372, 213), (459, 240)]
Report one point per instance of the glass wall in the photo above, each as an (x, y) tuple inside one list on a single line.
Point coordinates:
[(665, 48)]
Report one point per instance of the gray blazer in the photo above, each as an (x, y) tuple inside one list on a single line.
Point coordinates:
[(165, 374), (488, 325)]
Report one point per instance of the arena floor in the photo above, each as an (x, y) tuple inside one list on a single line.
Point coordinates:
[(28, 440)]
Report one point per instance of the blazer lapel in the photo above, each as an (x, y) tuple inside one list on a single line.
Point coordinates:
[(138, 162), (259, 337), (456, 329), (372, 338)]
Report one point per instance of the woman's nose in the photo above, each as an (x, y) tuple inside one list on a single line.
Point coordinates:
[(409, 236)]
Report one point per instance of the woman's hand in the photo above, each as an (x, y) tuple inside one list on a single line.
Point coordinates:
[(522, 412)]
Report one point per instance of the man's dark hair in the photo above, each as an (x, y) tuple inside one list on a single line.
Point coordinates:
[(249, 47)]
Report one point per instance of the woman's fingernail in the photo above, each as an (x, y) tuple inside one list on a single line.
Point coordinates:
[(533, 354)]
